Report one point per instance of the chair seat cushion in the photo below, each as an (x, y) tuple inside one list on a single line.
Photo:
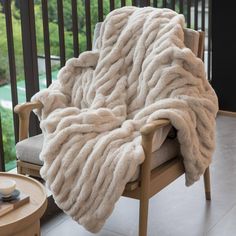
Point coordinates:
[(168, 150), (29, 149)]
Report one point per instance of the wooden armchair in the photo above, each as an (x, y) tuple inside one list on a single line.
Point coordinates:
[(151, 180)]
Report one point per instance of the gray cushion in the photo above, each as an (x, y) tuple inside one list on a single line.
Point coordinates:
[(96, 32), (28, 150), (168, 150)]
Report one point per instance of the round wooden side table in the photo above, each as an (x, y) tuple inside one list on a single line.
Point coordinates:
[(25, 220)]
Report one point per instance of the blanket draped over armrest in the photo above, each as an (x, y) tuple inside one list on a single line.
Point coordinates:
[(139, 71)]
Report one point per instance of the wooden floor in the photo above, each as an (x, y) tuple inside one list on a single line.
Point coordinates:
[(177, 210)]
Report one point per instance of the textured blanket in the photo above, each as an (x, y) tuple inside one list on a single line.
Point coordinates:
[(139, 71)]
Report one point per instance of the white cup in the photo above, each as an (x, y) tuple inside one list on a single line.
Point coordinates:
[(7, 187)]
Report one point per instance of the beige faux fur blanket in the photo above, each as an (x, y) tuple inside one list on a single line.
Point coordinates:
[(139, 71)]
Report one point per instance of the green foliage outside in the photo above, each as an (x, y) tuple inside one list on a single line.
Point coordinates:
[(53, 28), (8, 138), (4, 71)]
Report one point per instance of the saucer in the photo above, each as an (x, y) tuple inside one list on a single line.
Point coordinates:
[(15, 194)]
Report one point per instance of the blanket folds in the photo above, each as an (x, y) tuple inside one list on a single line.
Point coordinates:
[(139, 71)]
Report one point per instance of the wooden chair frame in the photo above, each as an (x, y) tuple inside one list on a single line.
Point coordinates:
[(150, 181)]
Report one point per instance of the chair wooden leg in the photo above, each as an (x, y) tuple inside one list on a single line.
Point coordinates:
[(207, 184), (145, 184), (143, 216)]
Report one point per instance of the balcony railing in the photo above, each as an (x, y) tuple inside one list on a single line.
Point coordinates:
[(60, 29)]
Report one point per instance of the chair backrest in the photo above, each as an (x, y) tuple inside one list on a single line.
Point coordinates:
[(193, 39)]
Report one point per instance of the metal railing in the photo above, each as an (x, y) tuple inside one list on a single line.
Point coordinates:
[(194, 11)]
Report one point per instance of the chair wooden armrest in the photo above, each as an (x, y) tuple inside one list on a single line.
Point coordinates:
[(23, 111), (151, 127)]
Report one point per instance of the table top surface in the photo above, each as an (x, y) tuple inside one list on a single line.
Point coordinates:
[(30, 211)]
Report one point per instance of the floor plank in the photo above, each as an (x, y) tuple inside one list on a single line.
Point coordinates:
[(226, 227)]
